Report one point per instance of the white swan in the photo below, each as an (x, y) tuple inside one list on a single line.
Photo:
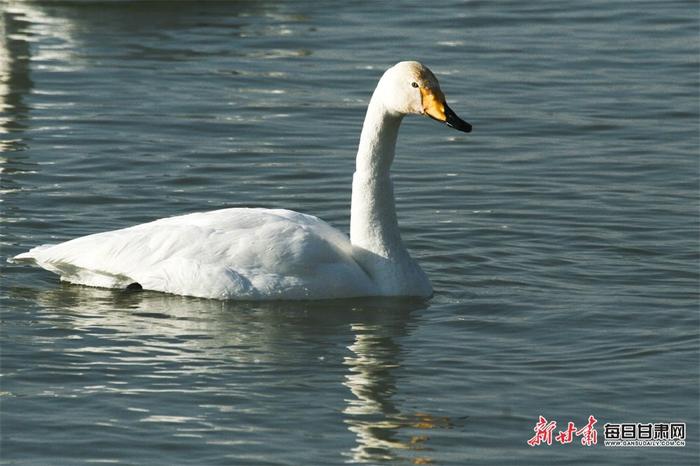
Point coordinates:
[(265, 254)]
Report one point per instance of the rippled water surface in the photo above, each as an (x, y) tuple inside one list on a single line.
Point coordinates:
[(561, 236)]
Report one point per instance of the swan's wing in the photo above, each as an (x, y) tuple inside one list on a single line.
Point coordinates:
[(229, 253)]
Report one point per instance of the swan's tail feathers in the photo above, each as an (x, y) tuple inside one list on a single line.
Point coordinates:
[(70, 272), (29, 257)]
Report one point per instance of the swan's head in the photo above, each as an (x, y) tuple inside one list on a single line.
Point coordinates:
[(410, 87)]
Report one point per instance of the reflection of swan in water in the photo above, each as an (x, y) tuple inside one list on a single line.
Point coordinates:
[(166, 333), (15, 83), (237, 331), (23, 27), (383, 432), (15, 80)]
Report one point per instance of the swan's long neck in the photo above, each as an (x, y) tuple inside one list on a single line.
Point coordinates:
[(373, 223), (374, 229)]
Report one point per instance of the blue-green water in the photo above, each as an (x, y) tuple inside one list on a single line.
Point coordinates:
[(561, 236)]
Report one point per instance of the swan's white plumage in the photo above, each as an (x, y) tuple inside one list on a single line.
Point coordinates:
[(269, 253), (231, 253)]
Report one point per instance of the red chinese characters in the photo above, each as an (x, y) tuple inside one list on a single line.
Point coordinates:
[(543, 432), (568, 435), (588, 434), (544, 429)]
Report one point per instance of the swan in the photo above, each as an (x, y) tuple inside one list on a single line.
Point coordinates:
[(275, 254)]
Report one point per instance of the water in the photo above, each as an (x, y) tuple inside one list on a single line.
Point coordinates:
[(561, 236)]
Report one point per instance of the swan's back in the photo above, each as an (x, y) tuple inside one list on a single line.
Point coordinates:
[(231, 253)]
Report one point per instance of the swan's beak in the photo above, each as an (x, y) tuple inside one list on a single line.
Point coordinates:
[(435, 107)]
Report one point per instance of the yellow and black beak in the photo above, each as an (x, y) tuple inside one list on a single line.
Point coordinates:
[(435, 107)]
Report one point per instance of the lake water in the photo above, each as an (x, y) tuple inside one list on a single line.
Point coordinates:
[(561, 236)]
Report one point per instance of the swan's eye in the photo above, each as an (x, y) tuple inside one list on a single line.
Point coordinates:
[(414, 84)]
